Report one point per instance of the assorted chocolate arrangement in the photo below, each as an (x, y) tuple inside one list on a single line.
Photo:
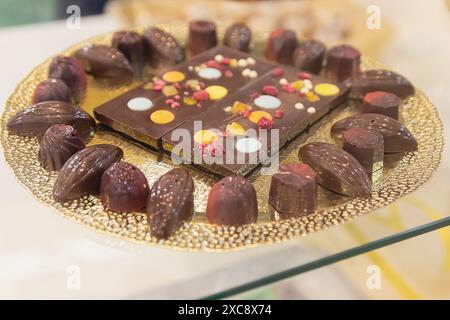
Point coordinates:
[(231, 92)]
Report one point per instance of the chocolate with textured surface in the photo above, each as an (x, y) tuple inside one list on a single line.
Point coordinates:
[(309, 56), (280, 46), (170, 202), (202, 36), (124, 188), (380, 80), (131, 44), (238, 36), (383, 103), (397, 138), (82, 173), (71, 71), (293, 190), (343, 62), (58, 144), (232, 202), (104, 61), (36, 119), (52, 90), (162, 48), (337, 170)]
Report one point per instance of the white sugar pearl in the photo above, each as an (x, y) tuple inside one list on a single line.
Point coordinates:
[(218, 58), (304, 90), (299, 106), (251, 61), (283, 81), (246, 72), (311, 110), (253, 74), (242, 63), (308, 84), (191, 68)]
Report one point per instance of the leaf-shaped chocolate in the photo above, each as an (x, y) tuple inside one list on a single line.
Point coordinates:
[(337, 170), (162, 47), (104, 61), (82, 173), (170, 203), (35, 120), (380, 80), (58, 144), (397, 138)]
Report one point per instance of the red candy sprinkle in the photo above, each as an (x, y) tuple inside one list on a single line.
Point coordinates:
[(225, 61), (304, 75), (214, 64), (270, 90), (158, 85), (278, 114), (288, 88), (175, 105), (198, 105), (169, 101), (265, 123), (254, 95), (177, 97), (278, 72), (201, 95), (228, 74), (245, 113)]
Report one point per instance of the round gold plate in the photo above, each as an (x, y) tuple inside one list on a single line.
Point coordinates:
[(401, 176)]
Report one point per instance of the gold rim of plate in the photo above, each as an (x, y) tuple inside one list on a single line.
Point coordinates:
[(402, 177)]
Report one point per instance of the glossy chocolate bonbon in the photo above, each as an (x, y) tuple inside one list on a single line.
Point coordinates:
[(342, 62), (381, 102), (202, 36), (280, 46), (238, 36), (162, 49), (52, 90), (71, 71), (131, 44), (309, 56), (336, 169)]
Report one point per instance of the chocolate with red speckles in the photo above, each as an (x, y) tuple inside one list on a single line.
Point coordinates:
[(52, 90), (309, 56), (397, 138), (280, 46), (124, 188), (170, 203), (202, 36), (342, 63), (293, 190), (232, 202), (71, 71), (368, 148), (337, 170), (383, 103), (238, 36), (131, 44)]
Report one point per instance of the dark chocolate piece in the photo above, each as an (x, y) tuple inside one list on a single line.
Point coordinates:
[(238, 36), (82, 173), (202, 36), (293, 190), (368, 148), (124, 188), (380, 80), (343, 62), (162, 48), (232, 202), (52, 90), (170, 203), (280, 46), (131, 44), (309, 56), (337, 170), (71, 71), (105, 62), (397, 138), (36, 119), (58, 144), (383, 103)]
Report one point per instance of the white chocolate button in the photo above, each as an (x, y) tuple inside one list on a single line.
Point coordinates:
[(248, 145), (267, 102), (210, 73), (299, 106), (140, 104), (311, 110)]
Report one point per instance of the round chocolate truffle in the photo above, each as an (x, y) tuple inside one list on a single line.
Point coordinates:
[(232, 202), (52, 90), (309, 56), (293, 190), (131, 44), (71, 71), (202, 36), (58, 144), (383, 103), (343, 62), (124, 188), (238, 36), (280, 46)]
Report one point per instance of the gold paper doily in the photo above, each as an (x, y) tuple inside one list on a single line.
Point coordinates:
[(400, 178)]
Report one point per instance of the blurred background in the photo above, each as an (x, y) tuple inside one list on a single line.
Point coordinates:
[(413, 39)]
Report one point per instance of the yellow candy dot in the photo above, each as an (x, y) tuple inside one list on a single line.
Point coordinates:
[(326, 89), (162, 116), (173, 76), (239, 107), (236, 129), (255, 116), (169, 91), (205, 136), (216, 92), (189, 101), (297, 85)]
